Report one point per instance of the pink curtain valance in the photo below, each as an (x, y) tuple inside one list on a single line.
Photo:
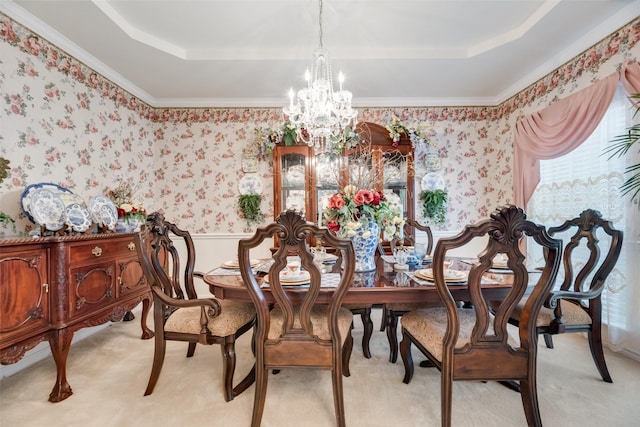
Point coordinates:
[(563, 126)]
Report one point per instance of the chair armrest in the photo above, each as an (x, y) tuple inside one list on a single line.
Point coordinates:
[(555, 296), (212, 303)]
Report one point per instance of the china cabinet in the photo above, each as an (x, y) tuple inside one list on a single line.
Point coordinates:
[(54, 286), (304, 179)]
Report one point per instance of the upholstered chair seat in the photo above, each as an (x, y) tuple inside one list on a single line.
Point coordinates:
[(233, 316), (318, 319), (572, 314), (429, 327)]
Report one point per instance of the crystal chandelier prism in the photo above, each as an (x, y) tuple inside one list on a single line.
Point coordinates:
[(321, 113)]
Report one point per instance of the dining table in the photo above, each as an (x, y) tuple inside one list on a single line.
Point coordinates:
[(384, 285)]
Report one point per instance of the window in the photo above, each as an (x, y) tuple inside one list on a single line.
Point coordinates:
[(586, 178)]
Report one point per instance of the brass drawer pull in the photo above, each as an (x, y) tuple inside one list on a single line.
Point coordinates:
[(97, 251), (131, 246)]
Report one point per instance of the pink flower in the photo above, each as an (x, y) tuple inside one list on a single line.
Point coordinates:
[(363, 197), (336, 201)]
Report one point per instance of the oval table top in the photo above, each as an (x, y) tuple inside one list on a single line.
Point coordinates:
[(381, 286)]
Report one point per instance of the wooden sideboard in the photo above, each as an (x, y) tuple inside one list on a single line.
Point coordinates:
[(51, 287)]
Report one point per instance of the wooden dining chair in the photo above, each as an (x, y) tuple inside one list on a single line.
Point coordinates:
[(178, 313), (472, 343), (300, 331), (577, 305), (393, 311)]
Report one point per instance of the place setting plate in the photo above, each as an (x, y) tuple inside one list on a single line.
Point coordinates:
[(286, 278), (235, 265), (450, 276)]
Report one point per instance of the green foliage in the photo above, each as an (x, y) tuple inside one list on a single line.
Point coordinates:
[(4, 168), (621, 145), (250, 207), (434, 205), (4, 172)]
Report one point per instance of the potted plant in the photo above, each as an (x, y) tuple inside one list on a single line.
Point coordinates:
[(434, 205), (250, 207), (621, 146)]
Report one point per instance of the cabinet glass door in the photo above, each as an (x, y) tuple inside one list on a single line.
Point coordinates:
[(327, 181), (293, 182), (395, 181)]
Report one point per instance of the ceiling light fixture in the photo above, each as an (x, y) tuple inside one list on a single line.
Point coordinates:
[(320, 113)]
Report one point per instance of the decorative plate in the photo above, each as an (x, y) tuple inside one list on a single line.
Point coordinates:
[(78, 218), (71, 198), (295, 200), (249, 164), (392, 174), (27, 193), (250, 184), (433, 181), (103, 212), (394, 201), (295, 175), (328, 175), (47, 209)]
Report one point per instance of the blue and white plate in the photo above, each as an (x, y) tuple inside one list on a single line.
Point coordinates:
[(103, 212), (250, 184), (433, 181), (27, 193), (47, 208), (77, 217)]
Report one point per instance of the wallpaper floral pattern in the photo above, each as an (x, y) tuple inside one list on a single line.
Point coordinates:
[(62, 122)]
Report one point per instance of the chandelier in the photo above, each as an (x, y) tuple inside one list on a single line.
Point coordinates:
[(320, 113)]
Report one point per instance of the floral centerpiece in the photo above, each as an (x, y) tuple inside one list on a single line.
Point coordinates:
[(129, 211), (360, 215), (351, 209)]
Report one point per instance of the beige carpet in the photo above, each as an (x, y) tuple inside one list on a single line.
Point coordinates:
[(109, 371)]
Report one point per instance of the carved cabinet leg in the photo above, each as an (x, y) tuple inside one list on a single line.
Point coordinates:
[(60, 343)]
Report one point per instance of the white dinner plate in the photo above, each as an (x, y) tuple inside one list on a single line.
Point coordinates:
[(236, 265), (300, 279), (450, 275)]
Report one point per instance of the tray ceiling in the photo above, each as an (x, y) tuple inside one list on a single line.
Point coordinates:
[(242, 53)]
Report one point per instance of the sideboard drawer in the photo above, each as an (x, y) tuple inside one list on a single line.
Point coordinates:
[(101, 249)]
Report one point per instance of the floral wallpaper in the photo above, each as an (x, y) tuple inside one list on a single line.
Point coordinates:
[(62, 122)]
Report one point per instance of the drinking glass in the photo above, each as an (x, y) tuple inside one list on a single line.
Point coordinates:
[(420, 250)]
